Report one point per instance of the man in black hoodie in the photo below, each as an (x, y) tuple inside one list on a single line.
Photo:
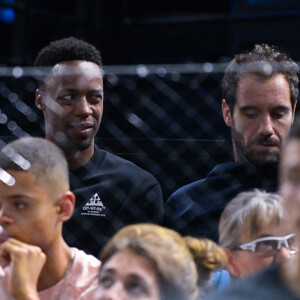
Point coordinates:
[(259, 99)]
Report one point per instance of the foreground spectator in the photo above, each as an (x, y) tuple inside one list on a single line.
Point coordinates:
[(35, 201), (146, 261)]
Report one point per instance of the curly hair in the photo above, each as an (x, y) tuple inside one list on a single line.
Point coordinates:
[(263, 62), (67, 49)]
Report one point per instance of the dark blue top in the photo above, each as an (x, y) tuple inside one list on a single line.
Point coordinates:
[(195, 209)]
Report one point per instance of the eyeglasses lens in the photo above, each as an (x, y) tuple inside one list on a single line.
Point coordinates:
[(270, 247), (266, 248)]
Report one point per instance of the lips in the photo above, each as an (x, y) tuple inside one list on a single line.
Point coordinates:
[(4, 236), (82, 128)]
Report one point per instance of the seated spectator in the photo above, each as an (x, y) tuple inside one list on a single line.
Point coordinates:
[(147, 261), (259, 108), (254, 232), (35, 201)]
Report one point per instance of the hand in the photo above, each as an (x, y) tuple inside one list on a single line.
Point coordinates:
[(26, 263)]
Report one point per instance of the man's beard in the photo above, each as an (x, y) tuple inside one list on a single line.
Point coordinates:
[(70, 146), (246, 153)]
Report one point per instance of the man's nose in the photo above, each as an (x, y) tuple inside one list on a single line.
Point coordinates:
[(5, 219), (266, 125), (82, 107)]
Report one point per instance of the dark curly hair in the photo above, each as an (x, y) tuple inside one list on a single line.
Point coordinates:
[(67, 49), (263, 61)]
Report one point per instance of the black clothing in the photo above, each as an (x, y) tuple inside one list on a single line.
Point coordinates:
[(110, 192), (195, 209)]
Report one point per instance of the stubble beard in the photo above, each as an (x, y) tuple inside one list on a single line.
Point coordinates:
[(245, 153)]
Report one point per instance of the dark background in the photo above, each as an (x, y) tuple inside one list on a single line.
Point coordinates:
[(170, 124), (150, 31)]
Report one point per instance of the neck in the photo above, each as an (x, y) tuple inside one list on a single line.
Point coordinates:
[(56, 266), (79, 158)]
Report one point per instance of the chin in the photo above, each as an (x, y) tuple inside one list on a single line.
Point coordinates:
[(265, 159)]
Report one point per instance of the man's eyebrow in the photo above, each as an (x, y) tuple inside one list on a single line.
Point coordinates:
[(248, 107), (282, 108), (19, 196), (96, 90)]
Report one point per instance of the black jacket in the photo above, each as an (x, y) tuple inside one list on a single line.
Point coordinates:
[(195, 209)]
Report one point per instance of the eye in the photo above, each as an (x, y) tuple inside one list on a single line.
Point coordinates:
[(19, 204), (66, 99), (278, 115), (95, 98), (136, 288), (250, 113), (106, 281), (264, 246), (292, 243)]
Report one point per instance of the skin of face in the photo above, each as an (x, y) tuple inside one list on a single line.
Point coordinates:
[(290, 183), (72, 104), (27, 214), (261, 119), (244, 262), (128, 276)]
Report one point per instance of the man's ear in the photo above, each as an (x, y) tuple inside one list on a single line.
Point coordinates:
[(65, 206), (39, 102), (232, 267), (226, 113)]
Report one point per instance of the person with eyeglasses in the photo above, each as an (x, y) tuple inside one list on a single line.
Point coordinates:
[(254, 232)]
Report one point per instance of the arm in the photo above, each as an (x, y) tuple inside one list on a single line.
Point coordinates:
[(26, 262)]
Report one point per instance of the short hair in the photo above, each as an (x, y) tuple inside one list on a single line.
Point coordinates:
[(248, 214), (175, 260), (40, 157), (67, 49), (263, 61)]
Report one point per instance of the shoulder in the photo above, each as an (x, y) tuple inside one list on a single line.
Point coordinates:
[(84, 260), (197, 188), (114, 164), (264, 285)]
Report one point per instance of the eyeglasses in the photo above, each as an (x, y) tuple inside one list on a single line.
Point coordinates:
[(269, 246)]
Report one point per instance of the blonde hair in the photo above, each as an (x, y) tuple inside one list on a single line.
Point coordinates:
[(176, 260), (248, 214), (208, 257)]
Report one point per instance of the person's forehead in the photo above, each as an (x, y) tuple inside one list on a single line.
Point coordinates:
[(138, 263), (252, 84), (76, 68)]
